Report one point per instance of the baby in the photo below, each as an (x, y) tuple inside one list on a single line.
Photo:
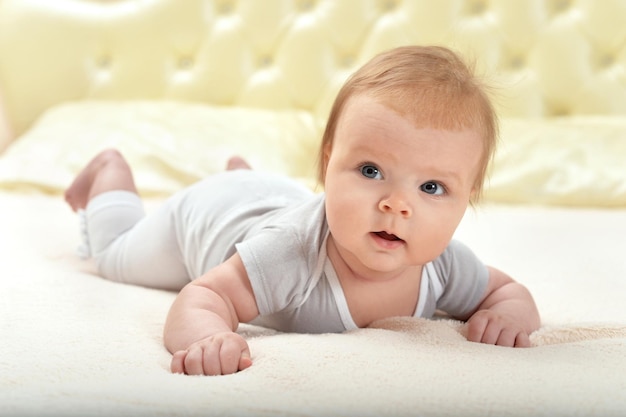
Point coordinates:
[(405, 151)]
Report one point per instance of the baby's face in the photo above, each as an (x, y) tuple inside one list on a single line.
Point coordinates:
[(395, 193)]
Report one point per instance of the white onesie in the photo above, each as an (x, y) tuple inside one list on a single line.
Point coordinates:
[(279, 229)]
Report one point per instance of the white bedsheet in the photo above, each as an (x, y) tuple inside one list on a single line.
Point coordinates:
[(75, 344)]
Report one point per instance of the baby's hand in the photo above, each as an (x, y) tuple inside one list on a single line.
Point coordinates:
[(221, 354), (487, 326)]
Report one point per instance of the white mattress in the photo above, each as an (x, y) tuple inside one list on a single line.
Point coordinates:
[(75, 344)]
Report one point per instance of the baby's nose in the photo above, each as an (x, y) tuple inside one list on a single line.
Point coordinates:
[(396, 203)]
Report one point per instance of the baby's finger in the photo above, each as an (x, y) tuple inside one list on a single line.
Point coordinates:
[(211, 359), (491, 334), (476, 328), (507, 338), (177, 365), (193, 361), (522, 340), (245, 361), (230, 355)]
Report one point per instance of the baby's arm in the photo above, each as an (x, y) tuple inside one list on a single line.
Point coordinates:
[(200, 327), (506, 315)]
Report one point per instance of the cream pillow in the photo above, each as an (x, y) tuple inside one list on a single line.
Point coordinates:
[(570, 161), (573, 161), (168, 144)]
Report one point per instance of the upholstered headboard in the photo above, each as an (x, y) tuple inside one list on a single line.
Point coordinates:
[(559, 68), (553, 57)]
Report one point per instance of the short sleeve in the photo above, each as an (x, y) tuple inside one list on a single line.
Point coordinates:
[(283, 258), (463, 277), (280, 269)]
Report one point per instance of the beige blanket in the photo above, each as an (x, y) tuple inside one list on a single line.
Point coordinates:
[(75, 344)]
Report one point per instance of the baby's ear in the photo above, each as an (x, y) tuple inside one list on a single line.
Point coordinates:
[(474, 196), (326, 152)]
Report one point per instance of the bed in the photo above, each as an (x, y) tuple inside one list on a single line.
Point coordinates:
[(179, 86)]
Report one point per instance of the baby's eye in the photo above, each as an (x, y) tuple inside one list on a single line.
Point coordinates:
[(432, 188), (370, 171)]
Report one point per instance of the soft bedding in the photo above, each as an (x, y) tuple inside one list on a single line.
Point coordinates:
[(75, 344), (169, 144), (573, 161)]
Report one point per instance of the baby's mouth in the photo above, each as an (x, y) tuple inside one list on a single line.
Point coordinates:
[(387, 236)]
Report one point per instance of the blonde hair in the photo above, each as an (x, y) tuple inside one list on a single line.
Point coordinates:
[(432, 86)]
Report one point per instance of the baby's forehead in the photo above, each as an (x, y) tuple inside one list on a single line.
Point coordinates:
[(415, 111)]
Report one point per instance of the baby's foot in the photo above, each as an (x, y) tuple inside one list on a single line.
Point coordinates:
[(237, 162), (106, 171), (78, 193)]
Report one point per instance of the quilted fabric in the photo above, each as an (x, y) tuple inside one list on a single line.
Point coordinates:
[(547, 57)]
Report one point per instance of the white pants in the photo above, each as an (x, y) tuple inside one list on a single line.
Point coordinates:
[(191, 232), (149, 256)]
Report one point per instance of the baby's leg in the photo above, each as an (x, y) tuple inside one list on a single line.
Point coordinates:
[(127, 246), (107, 171), (132, 247), (146, 250)]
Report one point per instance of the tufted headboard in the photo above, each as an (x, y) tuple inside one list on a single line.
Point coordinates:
[(550, 60), (552, 57)]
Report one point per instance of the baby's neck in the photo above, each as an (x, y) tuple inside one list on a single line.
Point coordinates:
[(375, 295)]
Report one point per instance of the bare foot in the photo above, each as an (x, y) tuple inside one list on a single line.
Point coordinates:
[(105, 172), (237, 162)]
